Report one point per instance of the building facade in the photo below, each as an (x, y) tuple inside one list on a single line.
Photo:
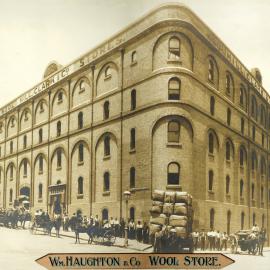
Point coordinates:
[(163, 104)]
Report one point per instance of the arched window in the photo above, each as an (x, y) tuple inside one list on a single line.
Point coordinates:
[(132, 213), (174, 86), (242, 96), (25, 167), (252, 191), (106, 110), (11, 147), (108, 72), (107, 150), (132, 177), (40, 187), (241, 187), (263, 118), (241, 157), (59, 158), (227, 184), (174, 48), (11, 172), (41, 107), (80, 120), (24, 141), (229, 116), (211, 71), (211, 143), (242, 126), (173, 131), (58, 128), (228, 150), (212, 219), (132, 138), (40, 135), (106, 180), (263, 166), (133, 99), (40, 164), (173, 177), (60, 97), (262, 194), (80, 157), (253, 133), (242, 220), (10, 195), (229, 84), (253, 161), (82, 85), (80, 185), (212, 105), (253, 219), (253, 107), (263, 220), (210, 180), (105, 214), (229, 214), (134, 57)]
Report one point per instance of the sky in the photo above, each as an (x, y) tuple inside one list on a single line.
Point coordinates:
[(35, 32)]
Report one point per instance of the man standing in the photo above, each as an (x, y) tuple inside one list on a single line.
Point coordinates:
[(195, 237), (203, 239), (218, 244), (224, 240)]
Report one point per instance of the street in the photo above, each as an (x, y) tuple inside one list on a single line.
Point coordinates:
[(19, 249)]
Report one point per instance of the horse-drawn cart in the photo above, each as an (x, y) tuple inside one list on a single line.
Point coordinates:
[(103, 236), (248, 241)]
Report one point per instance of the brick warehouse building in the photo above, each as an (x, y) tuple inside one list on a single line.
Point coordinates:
[(163, 104)]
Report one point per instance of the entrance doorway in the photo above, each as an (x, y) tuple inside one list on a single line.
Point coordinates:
[(25, 191), (57, 209)]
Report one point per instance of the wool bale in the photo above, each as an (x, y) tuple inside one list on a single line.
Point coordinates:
[(180, 209), (156, 209), (183, 197), (153, 228), (178, 221), (160, 220), (167, 208), (158, 195), (169, 197), (181, 231)]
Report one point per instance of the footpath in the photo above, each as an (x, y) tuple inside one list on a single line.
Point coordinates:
[(119, 242)]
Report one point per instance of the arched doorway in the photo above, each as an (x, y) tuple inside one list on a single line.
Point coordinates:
[(25, 191), (132, 213), (105, 214), (57, 209)]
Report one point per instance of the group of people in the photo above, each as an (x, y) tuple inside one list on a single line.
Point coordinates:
[(138, 230)]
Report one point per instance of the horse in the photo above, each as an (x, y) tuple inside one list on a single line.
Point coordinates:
[(55, 223), (12, 217)]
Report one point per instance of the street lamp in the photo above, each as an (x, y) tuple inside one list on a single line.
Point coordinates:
[(127, 197)]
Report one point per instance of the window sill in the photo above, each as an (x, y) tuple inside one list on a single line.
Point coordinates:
[(25, 176), (10, 179), (79, 196), (108, 77), (41, 111), (228, 162), (107, 157), (174, 61), (59, 101), (80, 163), (134, 63), (10, 203), (176, 187), (40, 172), (59, 168), (81, 90), (40, 200), (174, 144), (132, 151), (211, 191), (106, 193)]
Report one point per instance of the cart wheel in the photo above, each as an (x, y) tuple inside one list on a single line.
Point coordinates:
[(109, 238)]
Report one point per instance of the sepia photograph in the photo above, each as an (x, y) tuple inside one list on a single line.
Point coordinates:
[(134, 134)]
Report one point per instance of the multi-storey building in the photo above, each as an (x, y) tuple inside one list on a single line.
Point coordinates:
[(163, 104)]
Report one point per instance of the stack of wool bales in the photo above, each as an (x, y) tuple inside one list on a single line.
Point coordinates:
[(173, 209)]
